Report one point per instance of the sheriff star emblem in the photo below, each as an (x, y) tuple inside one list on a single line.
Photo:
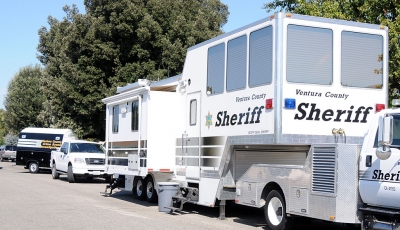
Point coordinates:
[(208, 120)]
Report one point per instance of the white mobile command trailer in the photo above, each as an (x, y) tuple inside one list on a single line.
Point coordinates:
[(281, 114)]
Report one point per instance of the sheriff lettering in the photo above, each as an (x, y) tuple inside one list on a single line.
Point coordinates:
[(250, 117), (379, 175), (310, 111)]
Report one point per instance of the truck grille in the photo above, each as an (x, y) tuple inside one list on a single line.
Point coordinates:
[(323, 170), (94, 161)]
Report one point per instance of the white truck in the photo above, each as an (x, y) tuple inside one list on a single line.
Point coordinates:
[(79, 159), (281, 114)]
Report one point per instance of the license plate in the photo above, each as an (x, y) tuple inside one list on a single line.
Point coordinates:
[(96, 172)]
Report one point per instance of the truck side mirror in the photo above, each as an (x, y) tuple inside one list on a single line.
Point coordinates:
[(64, 150), (385, 137)]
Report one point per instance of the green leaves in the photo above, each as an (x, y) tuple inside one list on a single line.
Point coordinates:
[(86, 56), (24, 99)]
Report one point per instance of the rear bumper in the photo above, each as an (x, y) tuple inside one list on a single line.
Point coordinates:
[(8, 156)]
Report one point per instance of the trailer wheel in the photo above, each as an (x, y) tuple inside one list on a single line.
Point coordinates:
[(275, 212), (138, 189), (33, 167), (151, 194), (54, 172), (70, 175)]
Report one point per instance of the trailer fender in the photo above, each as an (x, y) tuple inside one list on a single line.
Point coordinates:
[(267, 189)]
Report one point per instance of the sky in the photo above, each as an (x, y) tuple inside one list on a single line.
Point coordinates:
[(20, 21)]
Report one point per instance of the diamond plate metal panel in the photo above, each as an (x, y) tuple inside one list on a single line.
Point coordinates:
[(299, 200), (348, 198)]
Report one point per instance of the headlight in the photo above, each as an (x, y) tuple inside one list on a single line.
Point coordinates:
[(79, 160)]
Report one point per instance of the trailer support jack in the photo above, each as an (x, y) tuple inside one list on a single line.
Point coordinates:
[(222, 205)]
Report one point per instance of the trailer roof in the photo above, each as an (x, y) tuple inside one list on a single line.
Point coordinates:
[(295, 16), (46, 130)]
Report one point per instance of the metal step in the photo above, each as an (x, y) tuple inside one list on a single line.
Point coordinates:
[(381, 211), (173, 208)]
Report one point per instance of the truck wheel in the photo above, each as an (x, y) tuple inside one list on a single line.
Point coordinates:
[(138, 189), (275, 212), (151, 194), (54, 172), (108, 179), (70, 175), (33, 167), (2, 159)]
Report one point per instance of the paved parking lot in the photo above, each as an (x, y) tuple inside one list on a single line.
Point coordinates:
[(36, 201)]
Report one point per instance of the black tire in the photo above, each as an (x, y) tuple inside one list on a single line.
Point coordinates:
[(108, 179), (139, 188), (2, 159), (151, 193), (353, 226), (33, 167), (275, 212), (54, 172), (70, 175)]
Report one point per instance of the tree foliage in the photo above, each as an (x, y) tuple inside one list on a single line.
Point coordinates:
[(2, 127), (116, 42), (24, 99), (383, 12)]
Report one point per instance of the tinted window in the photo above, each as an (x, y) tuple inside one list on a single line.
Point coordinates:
[(216, 69), (135, 116), (86, 148), (362, 60), (309, 55), (260, 57), (11, 148), (115, 119), (236, 64)]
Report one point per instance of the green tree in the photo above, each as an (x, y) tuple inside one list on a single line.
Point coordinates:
[(2, 127), (383, 12), (116, 42), (24, 99)]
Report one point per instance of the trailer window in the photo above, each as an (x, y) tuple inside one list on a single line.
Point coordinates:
[(309, 55), (216, 69), (115, 119), (362, 60), (135, 116), (193, 112), (236, 63), (260, 57)]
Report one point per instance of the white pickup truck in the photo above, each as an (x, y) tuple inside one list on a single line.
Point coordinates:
[(78, 158)]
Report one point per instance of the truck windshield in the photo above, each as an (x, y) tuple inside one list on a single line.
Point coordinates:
[(86, 148), (396, 130)]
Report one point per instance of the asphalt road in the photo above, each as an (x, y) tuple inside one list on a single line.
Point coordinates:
[(36, 201)]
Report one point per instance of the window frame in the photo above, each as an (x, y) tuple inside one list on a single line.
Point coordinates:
[(190, 113), (309, 27), (271, 54)]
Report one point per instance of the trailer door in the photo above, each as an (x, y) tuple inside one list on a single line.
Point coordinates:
[(191, 141)]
